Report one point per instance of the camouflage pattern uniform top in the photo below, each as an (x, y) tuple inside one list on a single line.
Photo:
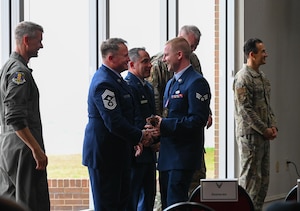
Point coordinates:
[(253, 113), (160, 75)]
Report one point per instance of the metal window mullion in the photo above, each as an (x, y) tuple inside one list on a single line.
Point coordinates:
[(5, 42)]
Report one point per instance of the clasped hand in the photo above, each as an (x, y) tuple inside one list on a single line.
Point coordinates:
[(151, 131), (270, 133), (153, 126)]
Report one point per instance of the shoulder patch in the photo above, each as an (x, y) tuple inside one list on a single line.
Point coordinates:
[(109, 99), (19, 78), (202, 97)]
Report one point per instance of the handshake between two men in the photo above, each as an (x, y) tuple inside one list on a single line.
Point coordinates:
[(151, 132)]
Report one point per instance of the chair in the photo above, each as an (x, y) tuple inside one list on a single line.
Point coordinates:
[(188, 206), (7, 204), (244, 201), (292, 195), (284, 206)]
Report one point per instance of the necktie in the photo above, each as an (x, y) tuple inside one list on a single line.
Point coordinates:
[(169, 91), (172, 84)]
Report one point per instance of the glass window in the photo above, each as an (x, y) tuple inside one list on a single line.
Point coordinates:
[(61, 71), (203, 17), (5, 38), (137, 22)]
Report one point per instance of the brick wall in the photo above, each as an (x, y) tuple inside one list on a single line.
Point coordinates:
[(69, 194), (217, 87)]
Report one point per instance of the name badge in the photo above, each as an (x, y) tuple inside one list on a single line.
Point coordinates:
[(219, 190)]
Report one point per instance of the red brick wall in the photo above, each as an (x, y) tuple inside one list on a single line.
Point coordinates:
[(69, 194), (217, 87)]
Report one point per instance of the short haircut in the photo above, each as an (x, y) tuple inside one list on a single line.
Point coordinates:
[(134, 53), (188, 29), (111, 45), (250, 46), (180, 44), (26, 28)]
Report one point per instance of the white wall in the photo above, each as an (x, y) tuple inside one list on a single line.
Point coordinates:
[(277, 23)]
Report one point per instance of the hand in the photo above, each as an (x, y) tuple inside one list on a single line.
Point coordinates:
[(138, 149), (209, 121), (155, 147), (270, 133), (40, 158), (152, 120), (154, 131), (274, 129), (147, 139), (158, 120), (38, 154)]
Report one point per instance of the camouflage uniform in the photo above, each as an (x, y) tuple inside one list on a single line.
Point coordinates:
[(158, 78), (253, 115)]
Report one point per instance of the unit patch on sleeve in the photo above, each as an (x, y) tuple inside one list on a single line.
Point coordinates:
[(109, 99), (19, 78)]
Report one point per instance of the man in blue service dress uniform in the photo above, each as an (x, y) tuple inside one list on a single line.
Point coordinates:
[(186, 109), (143, 173), (110, 134)]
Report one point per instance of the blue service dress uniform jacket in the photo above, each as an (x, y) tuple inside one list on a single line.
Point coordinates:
[(110, 133), (144, 100), (109, 139), (143, 171), (187, 103)]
